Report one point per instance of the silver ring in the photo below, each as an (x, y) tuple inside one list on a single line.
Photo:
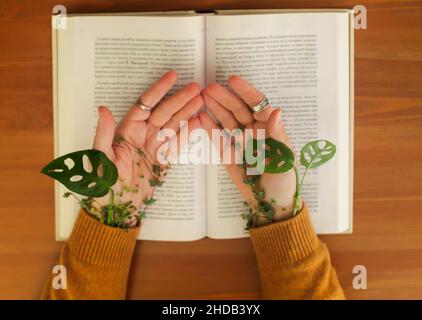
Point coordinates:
[(263, 104), (142, 105)]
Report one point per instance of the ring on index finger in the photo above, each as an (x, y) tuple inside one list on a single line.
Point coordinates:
[(142, 105)]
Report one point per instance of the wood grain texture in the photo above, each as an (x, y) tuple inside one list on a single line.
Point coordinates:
[(387, 236)]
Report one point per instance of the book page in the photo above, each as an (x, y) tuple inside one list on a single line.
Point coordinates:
[(110, 61), (300, 61)]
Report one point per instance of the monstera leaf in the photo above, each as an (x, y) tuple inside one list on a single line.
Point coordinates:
[(278, 157), (316, 153), (92, 177)]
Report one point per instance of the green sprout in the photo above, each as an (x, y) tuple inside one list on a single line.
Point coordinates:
[(279, 158)]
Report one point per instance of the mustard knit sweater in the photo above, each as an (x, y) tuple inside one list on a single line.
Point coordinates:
[(293, 263)]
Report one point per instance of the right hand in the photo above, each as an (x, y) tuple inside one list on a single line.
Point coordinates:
[(231, 109)]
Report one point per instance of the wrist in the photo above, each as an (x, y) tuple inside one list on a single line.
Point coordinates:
[(286, 212), (117, 214)]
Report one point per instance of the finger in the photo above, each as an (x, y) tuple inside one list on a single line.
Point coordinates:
[(207, 123), (250, 95), (174, 124), (152, 96), (105, 131), (235, 172), (167, 108), (222, 141), (275, 128), (217, 136), (223, 115), (186, 113), (231, 102), (158, 90), (193, 124)]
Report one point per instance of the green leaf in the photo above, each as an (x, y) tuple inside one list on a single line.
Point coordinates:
[(279, 158), (316, 153), (250, 180), (156, 169), (69, 170), (155, 182), (150, 201), (267, 209)]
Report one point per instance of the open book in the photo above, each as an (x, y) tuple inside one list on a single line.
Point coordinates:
[(301, 59)]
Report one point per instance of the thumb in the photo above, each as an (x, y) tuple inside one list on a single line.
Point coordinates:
[(105, 131), (275, 128)]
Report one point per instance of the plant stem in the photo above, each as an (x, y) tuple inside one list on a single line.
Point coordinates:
[(297, 193), (298, 188), (73, 195), (110, 208), (140, 151), (147, 166)]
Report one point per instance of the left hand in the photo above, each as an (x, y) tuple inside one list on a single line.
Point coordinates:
[(231, 109), (139, 131)]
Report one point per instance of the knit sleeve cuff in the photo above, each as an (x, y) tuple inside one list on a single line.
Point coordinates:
[(285, 242), (98, 244)]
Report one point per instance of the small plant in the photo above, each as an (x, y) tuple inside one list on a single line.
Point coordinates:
[(87, 172), (278, 158), (90, 173)]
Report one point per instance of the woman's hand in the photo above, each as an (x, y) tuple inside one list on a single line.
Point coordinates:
[(133, 145), (231, 110)]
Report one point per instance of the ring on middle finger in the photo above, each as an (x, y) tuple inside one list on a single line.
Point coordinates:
[(260, 106)]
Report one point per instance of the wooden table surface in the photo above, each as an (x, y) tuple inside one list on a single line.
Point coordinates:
[(387, 236)]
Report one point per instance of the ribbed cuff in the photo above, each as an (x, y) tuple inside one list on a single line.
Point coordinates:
[(101, 245), (285, 242)]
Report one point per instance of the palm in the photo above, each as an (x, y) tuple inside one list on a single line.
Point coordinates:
[(135, 169), (232, 111), (282, 186)]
